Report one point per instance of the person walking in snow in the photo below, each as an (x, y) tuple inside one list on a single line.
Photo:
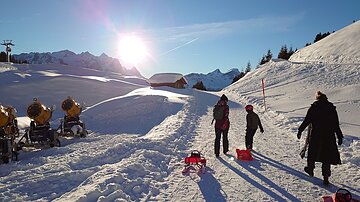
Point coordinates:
[(252, 124), (323, 117), (222, 124)]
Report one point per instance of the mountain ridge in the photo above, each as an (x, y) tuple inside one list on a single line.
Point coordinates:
[(84, 59), (213, 81)]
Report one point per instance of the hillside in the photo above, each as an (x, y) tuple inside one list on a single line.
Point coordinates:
[(341, 47)]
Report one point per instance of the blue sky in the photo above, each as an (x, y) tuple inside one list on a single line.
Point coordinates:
[(184, 36)]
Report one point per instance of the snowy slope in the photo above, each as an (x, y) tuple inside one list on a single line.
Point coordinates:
[(140, 136), (339, 47), (213, 81)]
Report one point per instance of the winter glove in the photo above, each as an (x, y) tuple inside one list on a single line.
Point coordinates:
[(298, 135), (340, 140)]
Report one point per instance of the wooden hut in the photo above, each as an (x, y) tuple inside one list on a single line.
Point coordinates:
[(174, 80)]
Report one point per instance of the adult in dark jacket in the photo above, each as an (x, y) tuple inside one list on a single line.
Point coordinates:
[(323, 117), (252, 124), (222, 127)]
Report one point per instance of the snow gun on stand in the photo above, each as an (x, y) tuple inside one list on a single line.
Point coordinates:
[(8, 132), (195, 161), (71, 125), (39, 134)]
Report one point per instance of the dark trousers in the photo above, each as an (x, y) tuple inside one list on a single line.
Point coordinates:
[(325, 168), (224, 133), (249, 138)]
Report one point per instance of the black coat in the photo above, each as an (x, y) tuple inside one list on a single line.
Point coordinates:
[(325, 124)]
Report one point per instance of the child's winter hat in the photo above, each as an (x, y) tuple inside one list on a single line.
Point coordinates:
[(249, 107), (320, 96), (223, 97)]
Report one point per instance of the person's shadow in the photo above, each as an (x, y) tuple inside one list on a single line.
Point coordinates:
[(210, 187), (266, 190), (291, 171)]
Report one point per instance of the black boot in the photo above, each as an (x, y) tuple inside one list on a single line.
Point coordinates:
[(326, 181), (309, 171)]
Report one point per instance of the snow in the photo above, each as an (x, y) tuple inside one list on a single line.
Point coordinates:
[(165, 78), (140, 135)]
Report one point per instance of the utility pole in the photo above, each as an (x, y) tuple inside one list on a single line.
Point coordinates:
[(8, 43)]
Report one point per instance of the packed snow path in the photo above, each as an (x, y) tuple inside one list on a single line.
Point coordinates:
[(276, 174)]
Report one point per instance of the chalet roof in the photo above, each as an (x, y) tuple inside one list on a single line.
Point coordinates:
[(165, 78)]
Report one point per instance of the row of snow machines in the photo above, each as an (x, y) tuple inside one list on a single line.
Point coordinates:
[(39, 134)]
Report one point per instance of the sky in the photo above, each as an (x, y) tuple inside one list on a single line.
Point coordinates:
[(178, 36)]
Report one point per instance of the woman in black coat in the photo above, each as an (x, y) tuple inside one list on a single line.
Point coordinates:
[(322, 145)]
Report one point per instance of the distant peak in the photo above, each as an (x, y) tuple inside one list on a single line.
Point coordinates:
[(216, 71), (233, 70), (104, 55), (86, 53)]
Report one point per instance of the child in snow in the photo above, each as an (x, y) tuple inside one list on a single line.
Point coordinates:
[(222, 126), (252, 124)]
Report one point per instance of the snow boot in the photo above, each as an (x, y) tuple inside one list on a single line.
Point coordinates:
[(309, 171), (326, 181)]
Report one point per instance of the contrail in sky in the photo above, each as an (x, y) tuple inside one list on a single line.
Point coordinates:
[(189, 42)]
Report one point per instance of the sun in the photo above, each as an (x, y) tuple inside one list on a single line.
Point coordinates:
[(132, 49)]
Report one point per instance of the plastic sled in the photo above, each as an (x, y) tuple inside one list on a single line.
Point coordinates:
[(244, 155)]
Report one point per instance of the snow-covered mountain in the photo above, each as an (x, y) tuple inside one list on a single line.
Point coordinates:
[(141, 135), (85, 59), (213, 81)]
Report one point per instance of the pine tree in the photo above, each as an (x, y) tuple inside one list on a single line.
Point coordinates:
[(268, 56), (236, 78), (283, 53), (263, 60), (248, 68), (318, 37), (290, 53), (199, 85)]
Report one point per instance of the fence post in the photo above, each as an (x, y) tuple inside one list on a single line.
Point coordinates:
[(263, 91)]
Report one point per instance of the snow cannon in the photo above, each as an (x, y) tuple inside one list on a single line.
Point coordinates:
[(4, 116), (8, 121), (8, 132), (39, 112), (71, 107), (71, 125), (39, 134)]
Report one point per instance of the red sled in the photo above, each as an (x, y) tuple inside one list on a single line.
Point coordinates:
[(341, 195), (244, 155), (195, 161)]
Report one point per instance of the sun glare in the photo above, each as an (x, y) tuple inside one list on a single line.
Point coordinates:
[(132, 49)]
